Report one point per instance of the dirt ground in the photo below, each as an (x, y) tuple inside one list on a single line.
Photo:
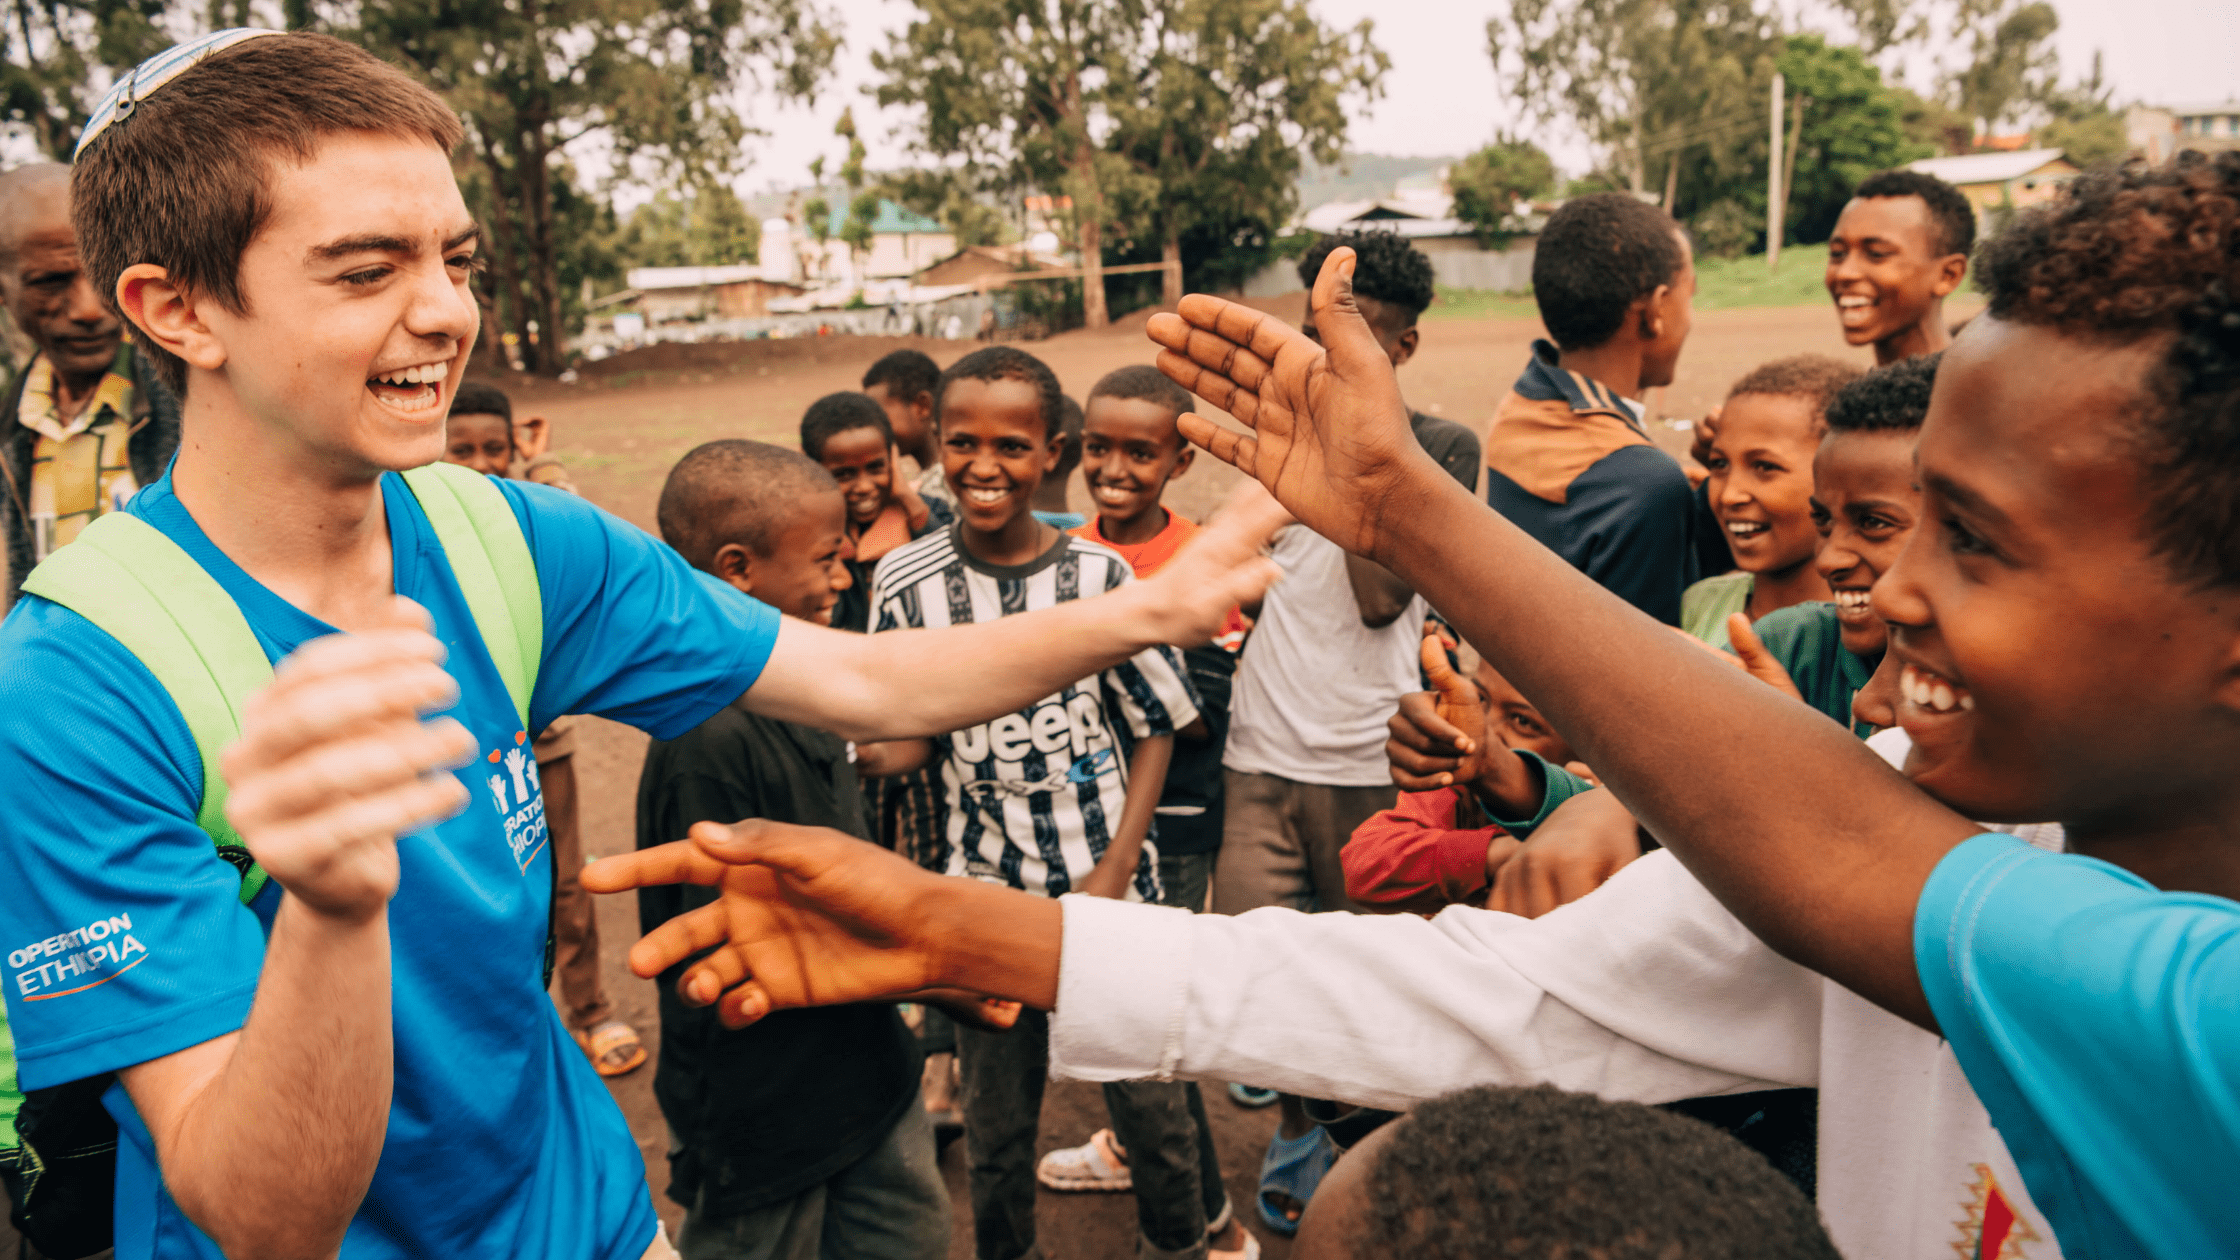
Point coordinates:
[(621, 427)]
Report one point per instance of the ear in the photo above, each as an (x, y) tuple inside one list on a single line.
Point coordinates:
[(1649, 321), (166, 314), (1182, 465), (1054, 450), (1404, 346), (1951, 270), (532, 436), (734, 563), (922, 406)]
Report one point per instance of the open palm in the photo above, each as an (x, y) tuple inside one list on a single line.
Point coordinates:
[(1330, 436)]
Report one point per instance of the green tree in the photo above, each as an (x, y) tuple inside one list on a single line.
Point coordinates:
[(1488, 184), (48, 50), (1669, 86), (2082, 124), (1017, 91), (1852, 126), (2014, 60), (946, 194), (657, 80), (707, 228), (1214, 109)]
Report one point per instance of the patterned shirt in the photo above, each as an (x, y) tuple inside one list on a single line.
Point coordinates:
[(1031, 798), (79, 464)]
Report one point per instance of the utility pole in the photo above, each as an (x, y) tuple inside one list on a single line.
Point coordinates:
[(1773, 182)]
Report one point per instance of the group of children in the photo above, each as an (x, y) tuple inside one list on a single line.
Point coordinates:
[(265, 927)]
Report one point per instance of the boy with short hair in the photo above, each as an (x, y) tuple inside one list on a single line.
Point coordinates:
[(903, 382), (481, 434), (310, 955), (1760, 493), (1540, 1172), (1899, 248), (849, 434), (1567, 459), (800, 1135), (1055, 798)]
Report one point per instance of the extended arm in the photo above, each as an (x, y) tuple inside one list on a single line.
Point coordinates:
[(1827, 868), (927, 682), (268, 1137)]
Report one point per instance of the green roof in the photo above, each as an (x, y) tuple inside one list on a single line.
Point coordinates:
[(892, 220)]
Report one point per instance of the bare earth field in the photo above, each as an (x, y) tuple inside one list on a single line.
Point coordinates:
[(630, 418)]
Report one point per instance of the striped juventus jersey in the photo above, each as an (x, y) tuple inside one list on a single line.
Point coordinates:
[(1031, 799)]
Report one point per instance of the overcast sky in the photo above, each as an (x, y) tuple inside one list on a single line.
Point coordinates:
[(1441, 97)]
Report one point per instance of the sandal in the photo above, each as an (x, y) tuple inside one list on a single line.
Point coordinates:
[(1220, 1226), (1251, 1096), (613, 1047), (1096, 1165), (1293, 1168)]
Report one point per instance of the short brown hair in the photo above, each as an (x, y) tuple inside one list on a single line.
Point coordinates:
[(183, 181), (1812, 377)]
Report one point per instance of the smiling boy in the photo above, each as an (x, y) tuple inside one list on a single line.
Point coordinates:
[(1899, 248), (355, 1053)]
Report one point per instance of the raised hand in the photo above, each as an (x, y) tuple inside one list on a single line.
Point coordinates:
[(1218, 569), (334, 763), (1330, 435), (810, 917), (1581, 845), (1756, 660), (1457, 704)]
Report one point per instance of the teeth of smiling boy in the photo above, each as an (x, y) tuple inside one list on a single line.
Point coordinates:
[(1747, 529), (1925, 690), (1854, 601), (424, 374), (982, 494), (1847, 303)]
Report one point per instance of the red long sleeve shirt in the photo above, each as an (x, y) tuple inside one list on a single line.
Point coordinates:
[(1418, 856)]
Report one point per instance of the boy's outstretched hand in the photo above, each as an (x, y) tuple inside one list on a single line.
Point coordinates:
[(1218, 569), (810, 917), (1330, 436)]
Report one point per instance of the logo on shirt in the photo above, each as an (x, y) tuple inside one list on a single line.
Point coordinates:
[(1072, 729), (523, 811), (1992, 1229), (76, 960)]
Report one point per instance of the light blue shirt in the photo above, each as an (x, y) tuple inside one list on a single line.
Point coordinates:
[(2099, 1020), (126, 940)]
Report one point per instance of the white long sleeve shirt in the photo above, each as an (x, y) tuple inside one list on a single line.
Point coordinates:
[(1647, 990)]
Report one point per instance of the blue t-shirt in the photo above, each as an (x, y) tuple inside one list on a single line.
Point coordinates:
[(2099, 1020), (127, 940)]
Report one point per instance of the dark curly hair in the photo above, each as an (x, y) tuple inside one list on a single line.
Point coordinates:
[(2142, 252), (480, 398), (1006, 363), (834, 414), (905, 373), (1539, 1172), (1145, 383), (1814, 377), (1386, 268), (1597, 256), (1890, 399), (1954, 217)]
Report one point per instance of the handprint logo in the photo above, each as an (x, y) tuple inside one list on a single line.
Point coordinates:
[(521, 767), (498, 792)]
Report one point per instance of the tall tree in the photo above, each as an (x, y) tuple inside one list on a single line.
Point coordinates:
[(2014, 59), (1660, 82), (1488, 184), (657, 80), (48, 51), (1017, 89), (1851, 125), (1219, 104), (709, 227)]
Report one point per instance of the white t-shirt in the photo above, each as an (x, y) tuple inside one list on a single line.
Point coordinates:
[(1315, 686), (1647, 990)]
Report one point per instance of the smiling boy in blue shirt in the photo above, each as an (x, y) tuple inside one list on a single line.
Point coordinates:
[(359, 1055)]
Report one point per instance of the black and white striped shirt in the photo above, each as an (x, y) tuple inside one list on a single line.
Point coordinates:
[(1032, 797)]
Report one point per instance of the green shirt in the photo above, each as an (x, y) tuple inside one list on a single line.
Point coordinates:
[(1808, 641), (11, 1099), (1705, 607), (1557, 786)]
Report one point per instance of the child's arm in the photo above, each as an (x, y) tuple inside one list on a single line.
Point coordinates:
[(1415, 857), (881, 758), (1147, 777), (922, 682), (1581, 845)]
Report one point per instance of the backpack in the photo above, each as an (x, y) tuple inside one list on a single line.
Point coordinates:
[(123, 575)]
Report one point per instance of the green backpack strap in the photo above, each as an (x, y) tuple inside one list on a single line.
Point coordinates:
[(124, 576), (489, 555)]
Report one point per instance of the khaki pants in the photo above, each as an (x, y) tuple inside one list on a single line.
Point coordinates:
[(1280, 841)]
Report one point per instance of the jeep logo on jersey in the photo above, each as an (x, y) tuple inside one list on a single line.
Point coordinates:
[(76, 960), (523, 811), (1056, 728)]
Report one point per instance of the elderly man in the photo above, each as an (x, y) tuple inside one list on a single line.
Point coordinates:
[(86, 423)]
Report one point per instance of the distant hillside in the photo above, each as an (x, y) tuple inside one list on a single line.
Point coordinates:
[(1360, 177)]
